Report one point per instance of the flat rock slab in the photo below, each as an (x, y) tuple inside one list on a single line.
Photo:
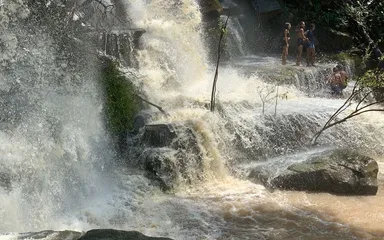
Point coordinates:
[(339, 171), (96, 234), (111, 234)]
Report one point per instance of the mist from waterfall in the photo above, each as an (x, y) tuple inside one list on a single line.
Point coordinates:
[(64, 173)]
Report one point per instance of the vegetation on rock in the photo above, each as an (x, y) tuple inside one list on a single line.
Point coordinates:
[(120, 102)]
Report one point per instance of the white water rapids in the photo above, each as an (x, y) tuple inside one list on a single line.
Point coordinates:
[(64, 174)]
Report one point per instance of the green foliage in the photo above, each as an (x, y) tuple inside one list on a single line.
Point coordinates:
[(372, 79), (121, 105), (357, 18), (346, 57)]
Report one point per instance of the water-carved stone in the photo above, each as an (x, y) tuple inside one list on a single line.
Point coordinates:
[(169, 153), (111, 234), (343, 172), (121, 45)]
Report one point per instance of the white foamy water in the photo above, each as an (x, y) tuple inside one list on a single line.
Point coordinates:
[(64, 174)]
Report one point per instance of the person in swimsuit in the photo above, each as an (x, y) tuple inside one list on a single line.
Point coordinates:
[(335, 82), (343, 77), (301, 39), (310, 45), (285, 43)]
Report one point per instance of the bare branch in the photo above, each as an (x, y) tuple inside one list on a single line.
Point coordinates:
[(213, 95)]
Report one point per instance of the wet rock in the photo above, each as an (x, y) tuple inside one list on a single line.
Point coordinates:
[(121, 44), (159, 135), (332, 40), (211, 11), (211, 8), (266, 6), (96, 234), (169, 153), (379, 94), (111, 234), (340, 171), (5, 181), (161, 167), (49, 234), (141, 119)]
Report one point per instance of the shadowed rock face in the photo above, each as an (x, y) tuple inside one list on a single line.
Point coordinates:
[(48, 234), (210, 7), (96, 234), (343, 172), (111, 234), (121, 45), (169, 153)]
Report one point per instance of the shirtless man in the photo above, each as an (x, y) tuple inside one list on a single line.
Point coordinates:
[(335, 82), (301, 39), (343, 76)]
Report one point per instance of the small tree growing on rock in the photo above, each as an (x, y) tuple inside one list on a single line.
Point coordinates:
[(367, 85)]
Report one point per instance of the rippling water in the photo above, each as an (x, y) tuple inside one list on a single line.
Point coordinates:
[(64, 174)]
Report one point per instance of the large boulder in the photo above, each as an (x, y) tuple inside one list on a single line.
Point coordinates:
[(212, 8), (96, 234), (340, 171), (169, 153), (111, 234)]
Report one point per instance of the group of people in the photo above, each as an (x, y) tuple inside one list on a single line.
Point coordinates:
[(304, 39)]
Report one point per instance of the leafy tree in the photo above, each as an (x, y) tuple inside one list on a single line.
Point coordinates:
[(362, 19)]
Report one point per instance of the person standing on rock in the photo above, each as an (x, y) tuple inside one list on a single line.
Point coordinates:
[(310, 45), (285, 43), (301, 39)]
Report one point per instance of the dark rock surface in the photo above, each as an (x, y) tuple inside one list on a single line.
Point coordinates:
[(340, 171), (111, 234), (49, 234), (5, 181), (95, 234), (210, 7), (121, 45), (169, 153)]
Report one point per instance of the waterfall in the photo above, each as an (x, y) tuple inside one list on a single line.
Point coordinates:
[(53, 144), (58, 170)]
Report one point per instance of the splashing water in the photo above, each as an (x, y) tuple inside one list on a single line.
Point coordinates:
[(62, 173)]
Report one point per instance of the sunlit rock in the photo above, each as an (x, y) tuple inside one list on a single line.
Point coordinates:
[(343, 172)]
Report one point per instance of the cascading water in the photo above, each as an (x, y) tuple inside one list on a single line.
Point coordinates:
[(58, 171), (57, 166)]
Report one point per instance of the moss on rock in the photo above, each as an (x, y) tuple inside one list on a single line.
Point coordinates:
[(120, 103)]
